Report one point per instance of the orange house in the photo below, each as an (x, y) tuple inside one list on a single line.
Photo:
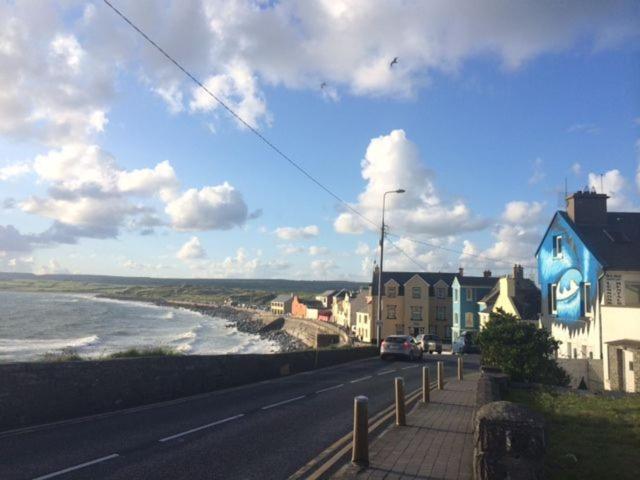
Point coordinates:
[(298, 308)]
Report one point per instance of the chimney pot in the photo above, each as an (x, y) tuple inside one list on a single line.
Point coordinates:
[(487, 273), (518, 271), (461, 271)]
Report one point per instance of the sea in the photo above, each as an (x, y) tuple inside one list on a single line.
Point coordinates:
[(34, 324)]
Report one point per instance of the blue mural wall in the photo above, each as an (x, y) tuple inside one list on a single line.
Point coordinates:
[(569, 272)]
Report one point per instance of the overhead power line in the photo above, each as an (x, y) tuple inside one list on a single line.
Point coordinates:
[(224, 105), (277, 150)]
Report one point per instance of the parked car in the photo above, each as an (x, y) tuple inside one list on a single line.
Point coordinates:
[(404, 346), (465, 343), (430, 343)]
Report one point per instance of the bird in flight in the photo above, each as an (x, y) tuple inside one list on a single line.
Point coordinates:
[(393, 62)]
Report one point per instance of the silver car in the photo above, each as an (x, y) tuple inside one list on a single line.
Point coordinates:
[(430, 343), (403, 346)]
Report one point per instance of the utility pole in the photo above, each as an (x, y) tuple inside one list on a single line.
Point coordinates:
[(379, 315)]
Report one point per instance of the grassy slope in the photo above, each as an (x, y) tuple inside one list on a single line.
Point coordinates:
[(602, 432)]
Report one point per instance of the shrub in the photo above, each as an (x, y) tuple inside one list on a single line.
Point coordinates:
[(145, 352), (67, 354), (521, 350)]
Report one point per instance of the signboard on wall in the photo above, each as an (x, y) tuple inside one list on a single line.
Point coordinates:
[(613, 289)]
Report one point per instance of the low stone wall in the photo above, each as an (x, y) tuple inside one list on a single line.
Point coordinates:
[(509, 443), (589, 369), (307, 330), (38, 392)]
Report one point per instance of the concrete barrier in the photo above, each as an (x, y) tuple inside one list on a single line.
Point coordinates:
[(38, 392)]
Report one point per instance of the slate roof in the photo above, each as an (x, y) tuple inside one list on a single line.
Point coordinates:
[(466, 280), (312, 303), (282, 298), (403, 277), (490, 298), (616, 244), (328, 293)]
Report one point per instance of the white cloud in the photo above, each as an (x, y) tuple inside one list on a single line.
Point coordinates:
[(363, 249), (297, 233), (391, 162), (322, 268), (315, 250), (523, 213), (241, 265), (192, 250), (576, 168), (14, 170), (616, 186), (538, 174), (588, 128), (219, 207), (50, 268), (290, 249)]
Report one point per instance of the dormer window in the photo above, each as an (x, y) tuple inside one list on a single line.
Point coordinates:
[(557, 246), (391, 291)]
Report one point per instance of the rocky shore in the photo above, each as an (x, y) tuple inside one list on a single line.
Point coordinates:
[(249, 322)]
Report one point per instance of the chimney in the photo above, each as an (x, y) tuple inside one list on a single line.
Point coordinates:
[(518, 271), (461, 271), (486, 273), (587, 208)]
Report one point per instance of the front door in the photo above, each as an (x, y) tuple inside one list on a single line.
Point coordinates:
[(629, 380), (621, 369)]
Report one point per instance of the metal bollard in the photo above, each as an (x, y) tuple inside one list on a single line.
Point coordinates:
[(460, 367), (401, 418), (360, 453), (440, 376), (425, 385)]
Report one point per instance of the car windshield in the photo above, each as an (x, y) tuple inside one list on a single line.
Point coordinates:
[(396, 339)]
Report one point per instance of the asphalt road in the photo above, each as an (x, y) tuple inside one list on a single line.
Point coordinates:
[(260, 431)]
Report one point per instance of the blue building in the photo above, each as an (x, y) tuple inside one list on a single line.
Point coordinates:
[(466, 292), (589, 274)]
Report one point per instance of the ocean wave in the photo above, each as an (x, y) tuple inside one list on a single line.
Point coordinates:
[(17, 345), (185, 341), (168, 315)]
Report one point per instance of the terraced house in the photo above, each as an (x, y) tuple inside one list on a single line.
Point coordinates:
[(467, 290), (414, 303)]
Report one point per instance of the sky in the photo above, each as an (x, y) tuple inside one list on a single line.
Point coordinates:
[(113, 162)]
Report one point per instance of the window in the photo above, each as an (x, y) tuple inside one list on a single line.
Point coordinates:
[(455, 295), (441, 313), (551, 297), (416, 292), (557, 246), (441, 292), (416, 313), (469, 294), (456, 318), (632, 293), (468, 319), (399, 329), (586, 298), (391, 311), (391, 291)]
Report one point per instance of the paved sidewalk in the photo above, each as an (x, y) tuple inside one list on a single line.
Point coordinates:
[(437, 442)]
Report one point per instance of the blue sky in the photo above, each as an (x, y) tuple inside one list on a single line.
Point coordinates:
[(480, 129)]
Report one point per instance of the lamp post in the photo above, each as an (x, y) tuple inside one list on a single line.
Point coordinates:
[(379, 316)]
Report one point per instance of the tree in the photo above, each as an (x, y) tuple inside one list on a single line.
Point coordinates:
[(521, 350)]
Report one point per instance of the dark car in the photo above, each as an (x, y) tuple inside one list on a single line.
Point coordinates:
[(465, 343), (430, 343), (403, 346)]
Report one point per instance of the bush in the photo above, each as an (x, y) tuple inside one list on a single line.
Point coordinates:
[(146, 352), (67, 354), (521, 350)]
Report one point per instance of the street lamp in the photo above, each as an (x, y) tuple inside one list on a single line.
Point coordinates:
[(379, 316)]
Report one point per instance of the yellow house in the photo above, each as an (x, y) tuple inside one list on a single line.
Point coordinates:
[(514, 294), (414, 303)]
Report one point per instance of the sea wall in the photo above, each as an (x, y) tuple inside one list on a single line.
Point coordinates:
[(40, 392)]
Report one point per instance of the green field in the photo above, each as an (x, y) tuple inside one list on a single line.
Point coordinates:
[(590, 436)]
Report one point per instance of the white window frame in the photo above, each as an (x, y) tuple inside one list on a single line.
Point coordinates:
[(391, 308), (557, 246), (441, 292), (456, 295), (456, 318), (388, 289), (418, 309), (553, 301), (413, 292)]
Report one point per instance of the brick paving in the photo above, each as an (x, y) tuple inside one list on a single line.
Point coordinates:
[(437, 442)]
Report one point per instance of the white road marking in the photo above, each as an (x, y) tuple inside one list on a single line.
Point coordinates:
[(330, 388), (197, 429), (410, 366), (385, 372), (267, 407), (361, 379), (77, 467)]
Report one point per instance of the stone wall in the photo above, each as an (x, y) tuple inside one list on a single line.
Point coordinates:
[(589, 369), (38, 392), (307, 330), (614, 380)]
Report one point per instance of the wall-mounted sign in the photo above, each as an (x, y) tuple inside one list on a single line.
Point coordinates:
[(613, 289)]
